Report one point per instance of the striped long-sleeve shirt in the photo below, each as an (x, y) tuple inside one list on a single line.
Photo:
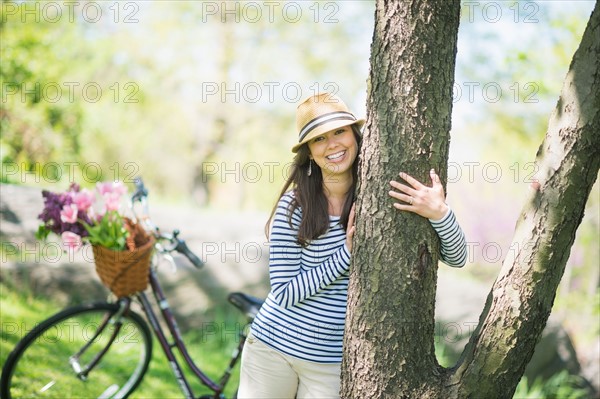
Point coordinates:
[(304, 314)]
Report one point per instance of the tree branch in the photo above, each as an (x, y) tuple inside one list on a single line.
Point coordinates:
[(521, 299)]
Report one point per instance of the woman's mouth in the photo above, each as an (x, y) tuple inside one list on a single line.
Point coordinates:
[(337, 156)]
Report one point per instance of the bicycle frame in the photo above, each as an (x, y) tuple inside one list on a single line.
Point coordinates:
[(140, 197), (74, 359), (178, 342)]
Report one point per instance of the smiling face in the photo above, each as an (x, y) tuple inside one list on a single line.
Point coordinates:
[(334, 151)]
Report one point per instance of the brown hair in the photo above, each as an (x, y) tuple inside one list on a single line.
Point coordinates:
[(310, 197)]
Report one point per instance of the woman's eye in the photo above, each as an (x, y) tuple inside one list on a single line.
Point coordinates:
[(340, 131), (320, 138)]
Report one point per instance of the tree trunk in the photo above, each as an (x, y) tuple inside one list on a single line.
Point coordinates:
[(389, 345), (521, 299), (389, 348)]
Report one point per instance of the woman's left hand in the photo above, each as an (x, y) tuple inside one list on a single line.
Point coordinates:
[(351, 228), (428, 202)]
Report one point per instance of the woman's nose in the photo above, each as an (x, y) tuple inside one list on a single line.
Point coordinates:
[(332, 142)]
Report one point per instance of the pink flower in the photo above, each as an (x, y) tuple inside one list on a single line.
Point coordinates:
[(112, 201), (93, 214), (83, 199), (69, 213), (104, 188), (71, 241), (111, 187)]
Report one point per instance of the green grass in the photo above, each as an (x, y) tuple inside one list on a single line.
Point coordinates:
[(210, 346), (560, 386)]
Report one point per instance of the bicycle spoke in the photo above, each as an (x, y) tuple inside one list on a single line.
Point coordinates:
[(47, 386), (82, 356), (110, 391)]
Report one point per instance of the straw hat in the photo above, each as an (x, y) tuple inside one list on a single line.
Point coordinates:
[(319, 114)]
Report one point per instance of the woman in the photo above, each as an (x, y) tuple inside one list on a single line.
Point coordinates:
[(294, 349)]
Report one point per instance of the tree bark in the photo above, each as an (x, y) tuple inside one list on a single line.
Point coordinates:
[(521, 299), (389, 344), (389, 349)]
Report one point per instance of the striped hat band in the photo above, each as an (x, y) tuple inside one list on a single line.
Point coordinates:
[(323, 119)]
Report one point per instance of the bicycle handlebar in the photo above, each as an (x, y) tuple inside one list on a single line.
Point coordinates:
[(140, 190), (176, 244), (183, 249)]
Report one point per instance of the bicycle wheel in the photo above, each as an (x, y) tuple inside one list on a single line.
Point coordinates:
[(47, 362)]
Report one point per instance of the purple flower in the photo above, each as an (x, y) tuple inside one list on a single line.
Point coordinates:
[(53, 205)]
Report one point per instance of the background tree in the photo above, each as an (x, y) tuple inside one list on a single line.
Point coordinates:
[(194, 84), (389, 348), (37, 119)]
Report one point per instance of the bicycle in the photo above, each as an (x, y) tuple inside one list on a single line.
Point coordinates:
[(103, 349)]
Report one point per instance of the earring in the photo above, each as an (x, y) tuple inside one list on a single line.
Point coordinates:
[(309, 168)]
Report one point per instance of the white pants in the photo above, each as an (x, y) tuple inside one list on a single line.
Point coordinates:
[(269, 374)]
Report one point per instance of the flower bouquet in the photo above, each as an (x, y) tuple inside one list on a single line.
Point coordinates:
[(122, 248)]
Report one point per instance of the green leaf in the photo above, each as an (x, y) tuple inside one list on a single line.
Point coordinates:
[(42, 232)]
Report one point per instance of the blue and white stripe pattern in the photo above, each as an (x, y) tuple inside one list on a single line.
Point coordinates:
[(304, 314), (453, 244)]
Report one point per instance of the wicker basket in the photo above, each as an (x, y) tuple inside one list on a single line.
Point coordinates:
[(126, 272)]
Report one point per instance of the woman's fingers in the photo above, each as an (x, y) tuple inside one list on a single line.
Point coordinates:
[(352, 216), (351, 232), (350, 229), (408, 194), (427, 201), (411, 180), (401, 197), (402, 207), (405, 193), (402, 187), (435, 179)]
